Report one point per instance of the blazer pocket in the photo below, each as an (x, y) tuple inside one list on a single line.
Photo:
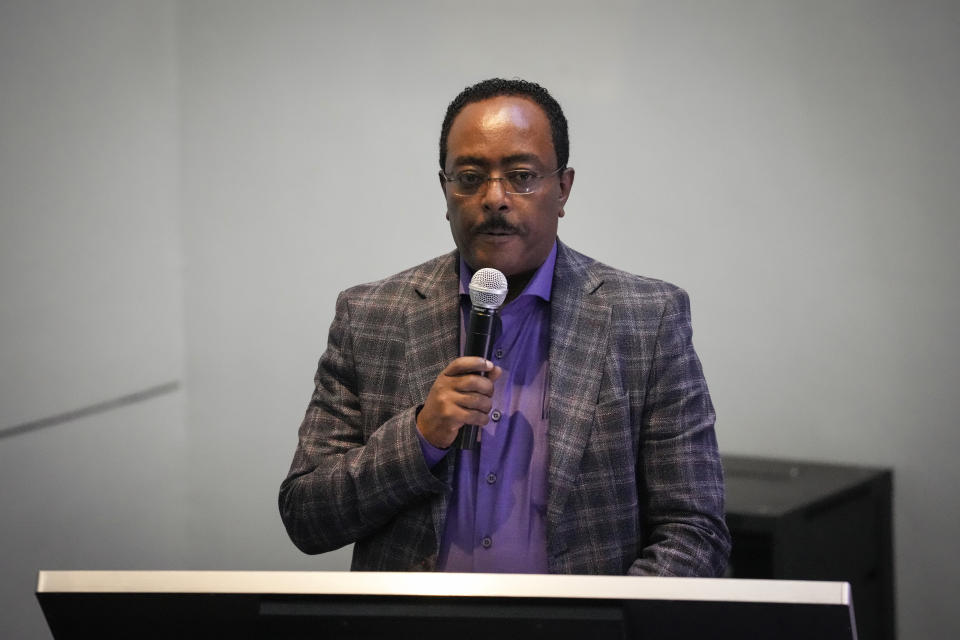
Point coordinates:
[(611, 425), (610, 460)]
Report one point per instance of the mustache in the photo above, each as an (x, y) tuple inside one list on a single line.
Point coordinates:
[(496, 224)]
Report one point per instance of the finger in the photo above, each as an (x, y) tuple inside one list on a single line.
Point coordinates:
[(474, 402), (472, 384), (455, 417), (494, 373), (478, 418), (468, 364)]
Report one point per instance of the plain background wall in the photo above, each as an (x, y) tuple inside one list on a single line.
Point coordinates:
[(90, 294), (793, 165)]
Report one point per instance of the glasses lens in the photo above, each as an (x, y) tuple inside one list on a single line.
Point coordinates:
[(468, 182), (521, 181)]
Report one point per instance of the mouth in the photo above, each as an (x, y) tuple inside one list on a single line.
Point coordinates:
[(496, 230), (495, 237)]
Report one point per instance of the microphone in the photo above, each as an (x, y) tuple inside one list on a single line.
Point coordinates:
[(488, 290)]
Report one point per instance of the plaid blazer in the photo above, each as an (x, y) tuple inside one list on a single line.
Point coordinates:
[(635, 480)]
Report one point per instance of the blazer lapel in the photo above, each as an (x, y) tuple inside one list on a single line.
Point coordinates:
[(579, 326), (433, 327), (433, 340)]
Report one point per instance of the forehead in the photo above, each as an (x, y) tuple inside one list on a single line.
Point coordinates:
[(499, 128)]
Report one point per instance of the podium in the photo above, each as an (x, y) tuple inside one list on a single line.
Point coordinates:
[(796, 520), (237, 604)]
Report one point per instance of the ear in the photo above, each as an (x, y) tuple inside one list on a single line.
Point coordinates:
[(443, 183), (566, 184), (443, 188)]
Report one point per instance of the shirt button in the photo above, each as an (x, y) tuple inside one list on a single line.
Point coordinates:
[(496, 415), (487, 542), (491, 477), (498, 353)]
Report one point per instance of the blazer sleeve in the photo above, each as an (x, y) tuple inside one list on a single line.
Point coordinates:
[(346, 480), (679, 471)]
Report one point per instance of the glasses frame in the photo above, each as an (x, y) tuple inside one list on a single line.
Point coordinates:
[(538, 177)]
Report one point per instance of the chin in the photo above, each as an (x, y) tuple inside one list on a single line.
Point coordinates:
[(508, 260), (507, 268)]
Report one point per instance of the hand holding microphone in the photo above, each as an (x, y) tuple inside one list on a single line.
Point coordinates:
[(460, 400)]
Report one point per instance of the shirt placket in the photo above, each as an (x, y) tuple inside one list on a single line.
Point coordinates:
[(488, 481)]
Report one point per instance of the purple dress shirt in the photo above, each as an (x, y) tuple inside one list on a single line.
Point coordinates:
[(496, 519)]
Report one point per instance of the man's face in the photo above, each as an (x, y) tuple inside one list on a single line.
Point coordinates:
[(510, 232)]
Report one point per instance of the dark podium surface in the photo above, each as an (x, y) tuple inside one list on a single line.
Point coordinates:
[(811, 521)]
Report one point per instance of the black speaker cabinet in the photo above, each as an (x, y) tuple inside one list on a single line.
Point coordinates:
[(809, 521)]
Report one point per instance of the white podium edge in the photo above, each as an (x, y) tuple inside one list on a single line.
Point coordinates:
[(446, 584)]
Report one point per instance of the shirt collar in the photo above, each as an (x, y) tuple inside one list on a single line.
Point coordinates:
[(541, 284)]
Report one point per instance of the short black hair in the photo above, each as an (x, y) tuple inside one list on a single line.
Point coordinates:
[(495, 87)]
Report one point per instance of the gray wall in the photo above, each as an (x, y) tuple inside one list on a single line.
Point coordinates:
[(92, 299), (186, 186)]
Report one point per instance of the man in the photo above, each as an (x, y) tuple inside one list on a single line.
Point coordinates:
[(597, 451)]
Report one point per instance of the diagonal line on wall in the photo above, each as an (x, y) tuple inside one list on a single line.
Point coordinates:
[(93, 409)]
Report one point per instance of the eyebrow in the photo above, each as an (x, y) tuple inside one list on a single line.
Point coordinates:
[(508, 160)]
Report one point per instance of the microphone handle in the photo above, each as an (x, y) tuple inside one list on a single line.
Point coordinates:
[(479, 341)]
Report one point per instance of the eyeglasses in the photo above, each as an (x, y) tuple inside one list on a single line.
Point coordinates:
[(519, 182)]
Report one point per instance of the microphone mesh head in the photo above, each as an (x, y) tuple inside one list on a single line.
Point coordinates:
[(488, 289)]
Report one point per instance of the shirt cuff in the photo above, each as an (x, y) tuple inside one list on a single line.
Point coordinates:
[(431, 454)]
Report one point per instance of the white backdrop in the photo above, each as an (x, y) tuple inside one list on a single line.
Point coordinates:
[(793, 165)]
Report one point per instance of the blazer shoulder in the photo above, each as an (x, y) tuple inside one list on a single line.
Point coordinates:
[(619, 285), (421, 280)]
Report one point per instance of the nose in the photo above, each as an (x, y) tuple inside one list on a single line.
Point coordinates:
[(495, 195)]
